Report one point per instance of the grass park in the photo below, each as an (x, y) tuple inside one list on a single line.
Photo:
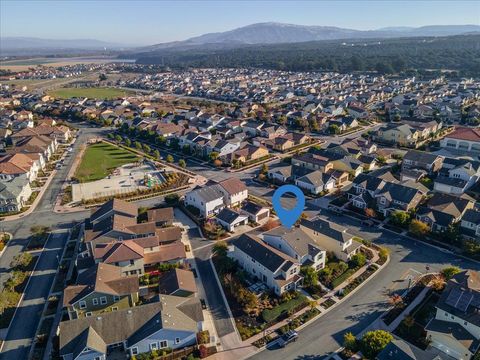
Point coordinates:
[(100, 159), (106, 93)]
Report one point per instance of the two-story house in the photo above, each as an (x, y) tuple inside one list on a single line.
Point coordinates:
[(234, 191), (429, 162), (331, 237), (443, 210), (470, 224), (102, 288), (455, 330), (394, 196), (274, 268), (172, 322), (297, 244), (209, 200)]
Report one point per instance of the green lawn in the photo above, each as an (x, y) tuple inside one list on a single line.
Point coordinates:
[(97, 93), (100, 159)]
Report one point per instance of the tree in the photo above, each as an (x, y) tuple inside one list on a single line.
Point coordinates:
[(370, 213), (21, 260), (383, 253), (213, 156), (182, 163), (350, 342), (102, 77), (358, 260), (217, 162), (128, 142), (39, 230), (264, 168), (375, 341), (220, 248), (156, 154), (310, 276), (118, 138), (450, 272), (8, 299), (400, 218), (110, 136), (169, 158), (186, 149), (419, 228), (333, 129), (172, 199), (138, 145), (146, 148)]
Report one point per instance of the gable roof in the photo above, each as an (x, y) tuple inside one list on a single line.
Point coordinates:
[(463, 133), (103, 278), (233, 185), (265, 254)]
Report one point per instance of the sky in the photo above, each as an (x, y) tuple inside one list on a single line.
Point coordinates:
[(150, 22)]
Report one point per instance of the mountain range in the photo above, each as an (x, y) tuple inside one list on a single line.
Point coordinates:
[(260, 33), (275, 33)]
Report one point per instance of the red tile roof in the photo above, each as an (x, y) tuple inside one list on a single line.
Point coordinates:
[(465, 134)]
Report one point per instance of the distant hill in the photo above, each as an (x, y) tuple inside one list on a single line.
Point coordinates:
[(31, 45), (460, 53), (276, 33)]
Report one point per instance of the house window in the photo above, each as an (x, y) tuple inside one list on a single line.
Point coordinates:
[(116, 298), (114, 308), (154, 346), (132, 262), (163, 344), (177, 340), (82, 304), (134, 350), (95, 301), (103, 300), (88, 313)]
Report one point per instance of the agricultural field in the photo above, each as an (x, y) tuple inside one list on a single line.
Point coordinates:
[(106, 93), (100, 159)]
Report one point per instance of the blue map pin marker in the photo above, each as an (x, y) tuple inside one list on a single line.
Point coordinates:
[(288, 216)]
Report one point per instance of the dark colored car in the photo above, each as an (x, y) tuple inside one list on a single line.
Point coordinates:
[(287, 338)]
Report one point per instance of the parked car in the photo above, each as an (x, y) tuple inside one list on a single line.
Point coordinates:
[(287, 338)]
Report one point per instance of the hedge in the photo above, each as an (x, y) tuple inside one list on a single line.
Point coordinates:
[(273, 314)]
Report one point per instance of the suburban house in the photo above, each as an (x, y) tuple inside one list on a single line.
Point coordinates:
[(316, 182), (394, 196), (429, 162), (112, 235), (364, 188), (401, 134), (443, 210), (14, 194), (455, 330), (102, 288), (463, 139), (457, 176), (297, 244), (274, 268), (234, 191), (331, 237), (213, 197), (162, 217), (177, 282), (18, 164), (172, 322), (470, 224)]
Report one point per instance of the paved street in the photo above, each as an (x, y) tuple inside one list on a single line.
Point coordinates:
[(27, 317)]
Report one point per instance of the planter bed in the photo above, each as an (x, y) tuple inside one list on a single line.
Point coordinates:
[(391, 315), (328, 303), (358, 280)]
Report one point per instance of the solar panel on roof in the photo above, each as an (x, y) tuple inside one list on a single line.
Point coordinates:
[(453, 297), (464, 301)]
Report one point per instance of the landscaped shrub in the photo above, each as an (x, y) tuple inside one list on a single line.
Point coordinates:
[(270, 315)]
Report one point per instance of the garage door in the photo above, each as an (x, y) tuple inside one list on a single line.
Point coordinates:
[(263, 216)]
